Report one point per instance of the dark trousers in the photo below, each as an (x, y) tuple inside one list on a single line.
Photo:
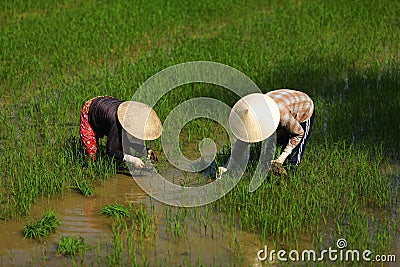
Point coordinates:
[(297, 153), (283, 137)]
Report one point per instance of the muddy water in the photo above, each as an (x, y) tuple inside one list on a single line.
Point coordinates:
[(79, 216)]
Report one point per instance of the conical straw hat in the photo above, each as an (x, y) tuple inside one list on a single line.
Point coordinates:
[(254, 118), (139, 120)]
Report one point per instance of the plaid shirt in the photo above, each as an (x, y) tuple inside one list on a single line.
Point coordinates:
[(295, 107)]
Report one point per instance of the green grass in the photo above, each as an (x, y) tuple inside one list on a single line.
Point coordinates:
[(131, 227), (340, 187), (345, 55), (116, 210), (42, 227), (84, 187), (72, 245)]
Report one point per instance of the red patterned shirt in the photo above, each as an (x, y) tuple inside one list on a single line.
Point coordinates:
[(295, 107), (98, 118)]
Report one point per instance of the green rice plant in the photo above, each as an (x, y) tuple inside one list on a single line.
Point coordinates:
[(43, 227), (115, 211), (116, 257), (337, 187), (142, 220), (84, 187), (288, 44), (344, 54), (177, 221), (72, 245)]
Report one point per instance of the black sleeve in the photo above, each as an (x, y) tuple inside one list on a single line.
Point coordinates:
[(238, 149), (135, 146), (113, 147)]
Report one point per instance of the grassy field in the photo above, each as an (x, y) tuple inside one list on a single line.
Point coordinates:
[(344, 54)]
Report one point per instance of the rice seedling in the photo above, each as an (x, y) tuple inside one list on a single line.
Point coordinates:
[(289, 208), (84, 187), (116, 256), (142, 220), (115, 211), (72, 245), (42, 227)]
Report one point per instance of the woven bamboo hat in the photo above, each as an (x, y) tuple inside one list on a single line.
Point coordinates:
[(254, 118), (139, 120)]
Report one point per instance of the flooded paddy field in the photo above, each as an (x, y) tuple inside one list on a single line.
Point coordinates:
[(55, 56), (80, 216), (197, 237)]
